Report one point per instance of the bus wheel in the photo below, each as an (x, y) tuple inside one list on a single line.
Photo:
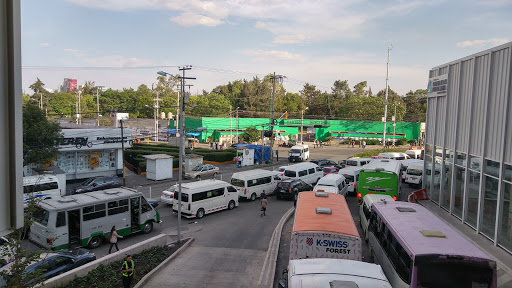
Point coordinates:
[(200, 213), (148, 227), (253, 196), (95, 242), (231, 205)]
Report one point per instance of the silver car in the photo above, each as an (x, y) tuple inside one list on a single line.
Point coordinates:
[(201, 171)]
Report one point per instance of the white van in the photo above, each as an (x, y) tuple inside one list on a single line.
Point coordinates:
[(406, 163), (358, 162), (351, 174), (250, 184), (307, 172), (298, 153), (204, 197), (366, 208), (414, 154), (394, 155), (332, 183), (41, 186), (414, 174), (324, 272)]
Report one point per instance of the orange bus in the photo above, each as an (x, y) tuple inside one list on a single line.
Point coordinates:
[(324, 228)]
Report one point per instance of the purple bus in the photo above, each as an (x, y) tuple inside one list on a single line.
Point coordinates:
[(417, 249)]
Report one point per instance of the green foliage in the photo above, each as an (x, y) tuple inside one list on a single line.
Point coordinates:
[(250, 135), (212, 104), (107, 276), (41, 138), (372, 142), (376, 152)]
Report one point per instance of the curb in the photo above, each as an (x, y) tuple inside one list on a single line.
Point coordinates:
[(499, 264), (147, 277), (269, 266)]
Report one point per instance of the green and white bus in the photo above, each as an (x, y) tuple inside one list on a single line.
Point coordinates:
[(380, 176), (86, 219)]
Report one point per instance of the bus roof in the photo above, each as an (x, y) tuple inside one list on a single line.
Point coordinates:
[(89, 198), (407, 225), (253, 172), (340, 221), (386, 164)]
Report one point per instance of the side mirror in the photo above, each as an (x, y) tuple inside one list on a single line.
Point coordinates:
[(295, 190), (283, 283)]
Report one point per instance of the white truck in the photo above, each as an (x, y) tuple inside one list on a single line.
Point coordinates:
[(298, 153)]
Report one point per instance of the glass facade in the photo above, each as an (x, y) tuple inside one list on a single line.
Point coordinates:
[(433, 194), (505, 233), (446, 180), (459, 191), (490, 205), (472, 197)]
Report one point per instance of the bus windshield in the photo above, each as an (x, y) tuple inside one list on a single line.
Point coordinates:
[(349, 177), (415, 172), (453, 275), (237, 182)]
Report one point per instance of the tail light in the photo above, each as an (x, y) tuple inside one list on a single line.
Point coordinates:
[(290, 189), (188, 206), (359, 198), (394, 198), (49, 240)]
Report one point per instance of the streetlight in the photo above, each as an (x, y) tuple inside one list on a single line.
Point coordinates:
[(394, 123)]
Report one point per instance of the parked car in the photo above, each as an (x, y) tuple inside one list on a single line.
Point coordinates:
[(330, 170), (6, 253), (342, 163), (152, 202), (98, 183), (202, 171), (290, 188), (325, 163), (56, 263)]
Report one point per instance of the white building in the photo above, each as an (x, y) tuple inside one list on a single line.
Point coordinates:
[(469, 140)]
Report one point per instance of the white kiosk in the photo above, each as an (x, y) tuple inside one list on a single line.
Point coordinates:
[(247, 156), (158, 166)]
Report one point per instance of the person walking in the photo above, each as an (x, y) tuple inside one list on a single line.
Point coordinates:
[(264, 203), (128, 271), (112, 238), (277, 154)]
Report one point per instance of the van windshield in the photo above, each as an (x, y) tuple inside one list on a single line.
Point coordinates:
[(41, 215), (415, 172), (351, 163), (237, 182), (349, 177), (289, 173), (184, 197), (294, 151)]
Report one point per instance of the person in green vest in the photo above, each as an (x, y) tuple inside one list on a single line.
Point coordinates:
[(128, 271)]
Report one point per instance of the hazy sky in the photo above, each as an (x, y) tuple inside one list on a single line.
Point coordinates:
[(123, 43)]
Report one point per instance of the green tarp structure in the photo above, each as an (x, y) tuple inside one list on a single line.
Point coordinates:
[(353, 129)]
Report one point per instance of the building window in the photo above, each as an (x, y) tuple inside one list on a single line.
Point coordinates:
[(473, 193), (459, 191), (427, 177), (492, 168), (446, 179), (490, 204), (505, 233)]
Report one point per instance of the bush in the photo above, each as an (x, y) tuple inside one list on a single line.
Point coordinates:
[(372, 142), (401, 141)]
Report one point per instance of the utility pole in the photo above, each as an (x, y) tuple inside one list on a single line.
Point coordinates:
[(156, 115), (237, 140), (262, 144), (274, 78), (230, 126), (98, 104), (182, 143), (122, 149), (301, 125), (386, 101), (394, 126)]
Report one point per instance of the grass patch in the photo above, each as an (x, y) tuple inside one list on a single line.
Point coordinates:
[(376, 152), (107, 276)]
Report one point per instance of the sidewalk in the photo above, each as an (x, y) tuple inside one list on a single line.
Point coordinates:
[(503, 258)]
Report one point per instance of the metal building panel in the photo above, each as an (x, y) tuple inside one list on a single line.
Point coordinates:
[(481, 88), (508, 133), (497, 94), (431, 110), (440, 121), (463, 106), (453, 93)]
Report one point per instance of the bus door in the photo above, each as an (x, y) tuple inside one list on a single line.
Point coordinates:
[(74, 227), (135, 213)]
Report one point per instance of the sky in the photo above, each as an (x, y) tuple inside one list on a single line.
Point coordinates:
[(124, 43)]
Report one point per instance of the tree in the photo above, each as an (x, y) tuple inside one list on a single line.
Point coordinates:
[(359, 89), (313, 100), (62, 104), (250, 135), (416, 106), (290, 102), (41, 138), (341, 90)]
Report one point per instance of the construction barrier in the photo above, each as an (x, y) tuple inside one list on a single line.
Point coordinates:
[(418, 195)]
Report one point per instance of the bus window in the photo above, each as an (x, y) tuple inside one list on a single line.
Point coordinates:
[(235, 182), (289, 173), (145, 205), (61, 219), (303, 173), (93, 212), (41, 216), (311, 170)]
